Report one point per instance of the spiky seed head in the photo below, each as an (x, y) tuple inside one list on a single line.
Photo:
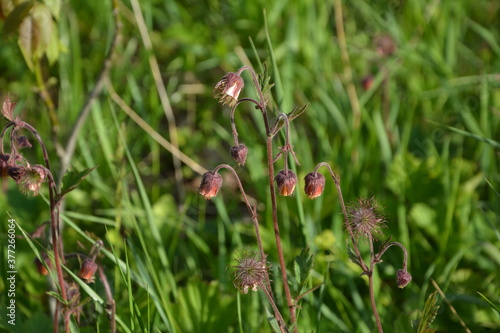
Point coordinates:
[(286, 181), (239, 153), (211, 182), (250, 273), (403, 278), (315, 183), (228, 89), (365, 219)]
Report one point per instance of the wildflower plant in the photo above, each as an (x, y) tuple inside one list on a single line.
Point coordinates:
[(51, 262), (363, 220)]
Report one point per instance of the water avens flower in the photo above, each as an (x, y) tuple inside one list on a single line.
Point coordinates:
[(239, 153), (286, 181), (211, 182), (403, 278), (315, 183), (228, 89)]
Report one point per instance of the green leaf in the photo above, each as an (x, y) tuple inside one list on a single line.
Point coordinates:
[(264, 79), (493, 306), (428, 315), (353, 256), (72, 179), (16, 16), (302, 265), (272, 321), (297, 111)]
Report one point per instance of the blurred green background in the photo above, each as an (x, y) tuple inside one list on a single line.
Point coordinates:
[(426, 146)]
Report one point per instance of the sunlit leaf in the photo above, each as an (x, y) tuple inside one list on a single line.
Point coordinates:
[(72, 179)]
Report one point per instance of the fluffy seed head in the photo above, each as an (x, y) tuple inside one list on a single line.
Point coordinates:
[(365, 219), (228, 89), (211, 182), (286, 181), (315, 183)]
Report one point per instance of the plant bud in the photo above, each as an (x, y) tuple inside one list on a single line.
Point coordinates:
[(239, 153), (16, 172), (23, 142), (403, 278), (40, 267), (88, 269), (286, 182), (210, 184), (315, 183)]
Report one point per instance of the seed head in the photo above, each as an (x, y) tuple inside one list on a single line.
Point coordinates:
[(365, 219), (250, 272), (211, 182), (286, 181), (315, 183), (403, 278), (239, 153), (228, 89), (88, 269)]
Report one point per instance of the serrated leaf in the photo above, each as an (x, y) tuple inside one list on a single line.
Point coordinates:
[(16, 16), (72, 179), (429, 314), (302, 265), (352, 255), (264, 79), (272, 321)]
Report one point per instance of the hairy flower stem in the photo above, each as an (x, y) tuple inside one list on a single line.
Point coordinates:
[(370, 281), (274, 206), (336, 179)]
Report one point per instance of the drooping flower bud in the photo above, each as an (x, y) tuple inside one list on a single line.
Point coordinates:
[(403, 278), (228, 89), (211, 182), (286, 181), (16, 172), (88, 269), (239, 153), (315, 183), (23, 142), (41, 268)]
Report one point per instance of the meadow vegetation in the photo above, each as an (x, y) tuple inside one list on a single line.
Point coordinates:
[(403, 101)]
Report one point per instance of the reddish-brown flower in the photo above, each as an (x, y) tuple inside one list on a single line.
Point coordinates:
[(41, 268), (211, 182), (228, 89), (315, 183), (365, 219), (403, 278), (4, 165), (239, 153), (88, 269), (30, 179), (286, 181)]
